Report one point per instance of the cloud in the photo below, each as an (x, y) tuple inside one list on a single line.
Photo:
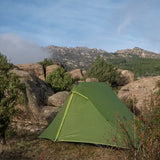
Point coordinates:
[(124, 24), (19, 50)]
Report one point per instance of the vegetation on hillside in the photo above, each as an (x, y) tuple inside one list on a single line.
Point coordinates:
[(104, 72), (139, 66), (60, 80), (11, 93)]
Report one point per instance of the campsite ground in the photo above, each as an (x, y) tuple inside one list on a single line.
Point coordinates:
[(35, 149)]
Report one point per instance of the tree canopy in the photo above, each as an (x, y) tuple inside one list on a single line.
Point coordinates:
[(104, 71)]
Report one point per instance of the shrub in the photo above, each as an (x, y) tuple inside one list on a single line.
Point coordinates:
[(11, 93), (104, 71), (60, 80), (148, 131)]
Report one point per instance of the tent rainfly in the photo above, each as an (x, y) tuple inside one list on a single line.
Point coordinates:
[(93, 113)]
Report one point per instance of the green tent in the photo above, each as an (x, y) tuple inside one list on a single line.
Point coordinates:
[(92, 113)]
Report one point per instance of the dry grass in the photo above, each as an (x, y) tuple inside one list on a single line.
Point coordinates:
[(148, 131), (38, 149)]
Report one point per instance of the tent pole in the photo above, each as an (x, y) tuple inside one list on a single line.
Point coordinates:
[(64, 117)]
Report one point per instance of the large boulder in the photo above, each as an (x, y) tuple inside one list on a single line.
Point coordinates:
[(76, 74), (33, 68), (51, 68), (84, 72), (142, 90), (49, 112), (34, 115), (37, 91), (125, 77), (58, 99), (92, 80)]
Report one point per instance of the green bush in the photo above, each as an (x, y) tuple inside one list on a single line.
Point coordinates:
[(104, 71), (60, 80), (11, 93)]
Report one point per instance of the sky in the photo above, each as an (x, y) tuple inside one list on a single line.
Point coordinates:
[(28, 25)]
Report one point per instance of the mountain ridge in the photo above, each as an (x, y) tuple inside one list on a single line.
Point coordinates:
[(139, 52), (83, 57)]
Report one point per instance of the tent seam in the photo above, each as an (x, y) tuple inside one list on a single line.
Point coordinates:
[(80, 94), (64, 117)]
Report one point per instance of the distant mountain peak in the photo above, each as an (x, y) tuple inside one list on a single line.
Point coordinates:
[(137, 48), (138, 52)]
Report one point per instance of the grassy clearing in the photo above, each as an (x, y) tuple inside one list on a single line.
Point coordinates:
[(32, 150)]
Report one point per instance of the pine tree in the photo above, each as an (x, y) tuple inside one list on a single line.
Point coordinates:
[(104, 71), (11, 93)]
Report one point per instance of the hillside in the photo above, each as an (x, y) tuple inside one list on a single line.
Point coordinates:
[(139, 66), (83, 57), (79, 57)]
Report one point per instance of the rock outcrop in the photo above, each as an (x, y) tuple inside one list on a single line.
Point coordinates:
[(76, 74), (125, 77), (51, 68), (37, 91), (138, 52), (92, 80), (49, 112), (58, 99), (84, 72), (33, 68), (34, 115), (142, 90)]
